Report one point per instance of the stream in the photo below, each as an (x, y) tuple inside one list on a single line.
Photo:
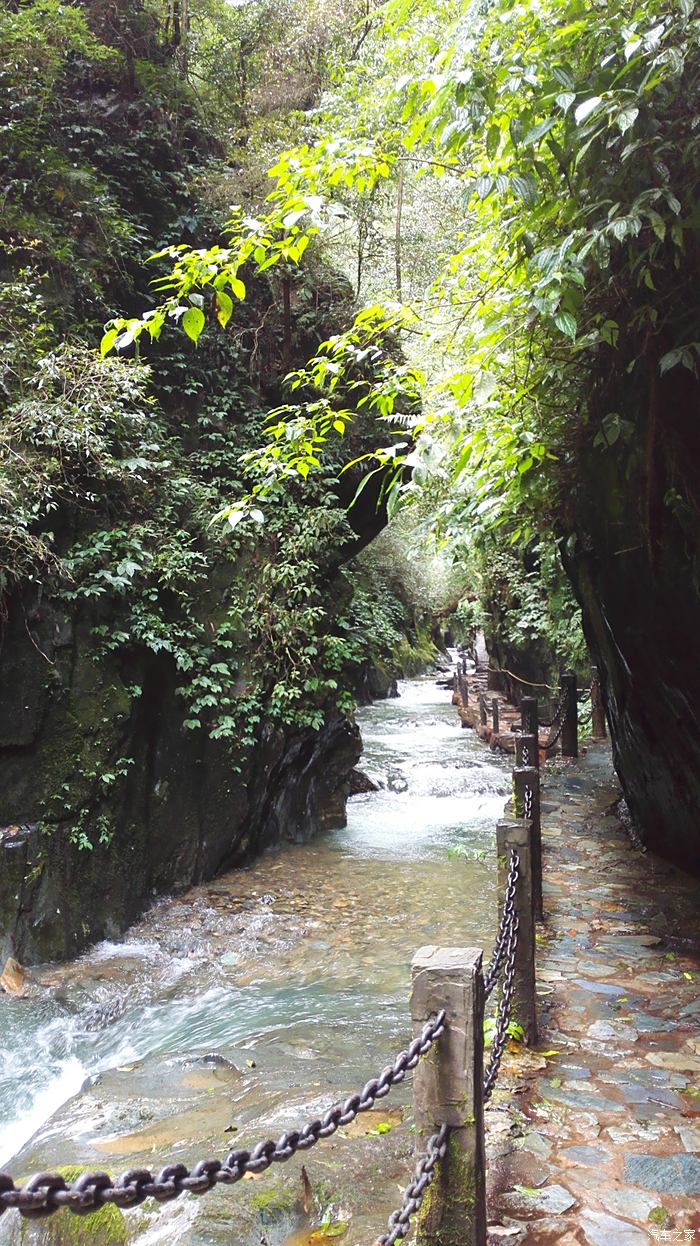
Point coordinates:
[(251, 1003)]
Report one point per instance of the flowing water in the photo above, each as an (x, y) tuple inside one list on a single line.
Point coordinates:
[(248, 1004)]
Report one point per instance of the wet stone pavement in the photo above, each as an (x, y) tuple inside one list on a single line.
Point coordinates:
[(594, 1137)]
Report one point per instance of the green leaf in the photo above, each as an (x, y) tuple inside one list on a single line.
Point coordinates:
[(538, 131), (567, 323), (565, 100), (563, 74), (626, 118), (524, 185), (193, 322), (585, 110), (108, 341), (292, 217), (493, 138), (483, 185), (224, 307)]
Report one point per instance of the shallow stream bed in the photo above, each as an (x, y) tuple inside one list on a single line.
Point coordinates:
[(252, 1003)]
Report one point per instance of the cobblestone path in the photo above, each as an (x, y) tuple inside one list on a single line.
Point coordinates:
[(594, 1140)]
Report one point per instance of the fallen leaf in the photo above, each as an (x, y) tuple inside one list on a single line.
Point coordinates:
[(328, 1233), (369, 1123)]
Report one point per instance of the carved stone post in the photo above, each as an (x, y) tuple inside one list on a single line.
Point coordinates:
[(448, 1089), (527, 751), (527, 779), (518, 834)]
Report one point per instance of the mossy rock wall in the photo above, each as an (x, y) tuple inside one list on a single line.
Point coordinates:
[(634, 559), (177, 815)]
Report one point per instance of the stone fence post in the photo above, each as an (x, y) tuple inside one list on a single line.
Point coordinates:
[(527, 752), (527, 778), (448, 1089), (517, 833), (529, 714), (569, 733)]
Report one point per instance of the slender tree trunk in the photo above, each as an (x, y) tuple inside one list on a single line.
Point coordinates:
[(287, 314), (399, 213)]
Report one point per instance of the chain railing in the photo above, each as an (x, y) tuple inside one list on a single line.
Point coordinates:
[(556, 722), (502, 963), (434, 969), (507, 917), (504, 1011), (399, 1221), (47, 1192)]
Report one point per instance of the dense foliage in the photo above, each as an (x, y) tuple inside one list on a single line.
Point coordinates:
[(562, 142), (511, 188), (120, 138)]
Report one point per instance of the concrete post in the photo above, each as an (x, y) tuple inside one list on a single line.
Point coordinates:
[(569, 734), (518, 834), (525, 777), (495, 715), (448, 1089), (482, 709)]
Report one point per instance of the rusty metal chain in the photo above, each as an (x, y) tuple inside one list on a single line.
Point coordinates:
[(560, 705), (399, 1221), (46, 1192), (625, 818), (507, 914), (557, 722), (528, 801), (504, 1008)]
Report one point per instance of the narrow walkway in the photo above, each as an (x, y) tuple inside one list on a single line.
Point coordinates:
[(595, 1140)]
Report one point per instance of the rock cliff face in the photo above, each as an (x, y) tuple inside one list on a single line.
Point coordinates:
[(177, 815), (633, 557)]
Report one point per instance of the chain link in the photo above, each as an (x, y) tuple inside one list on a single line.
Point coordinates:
[(46, 1192), (556, 724), (528, 800), (399, 1221), (625, 818), (507, 915), (504, 1009)]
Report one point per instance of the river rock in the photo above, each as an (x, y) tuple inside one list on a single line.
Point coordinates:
[(689, 1136), (603, 1230), (679, 1060), (670, 1174), (13, 978), (551, 1200)]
